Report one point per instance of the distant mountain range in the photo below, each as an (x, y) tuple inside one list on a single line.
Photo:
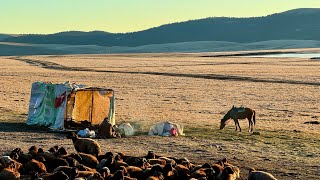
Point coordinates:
[(297, 24)]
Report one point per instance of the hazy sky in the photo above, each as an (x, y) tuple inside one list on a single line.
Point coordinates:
[(50, 16)]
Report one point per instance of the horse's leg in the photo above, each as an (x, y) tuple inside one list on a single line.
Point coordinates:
[(252, 125), (252, 122), (239, 125), (235, 123), (249, 122)]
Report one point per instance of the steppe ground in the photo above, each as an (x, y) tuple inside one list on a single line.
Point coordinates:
[(194, 90)]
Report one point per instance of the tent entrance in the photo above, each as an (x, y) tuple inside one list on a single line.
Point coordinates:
[(90, 104)]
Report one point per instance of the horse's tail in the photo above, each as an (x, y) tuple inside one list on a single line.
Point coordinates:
[(254, 117)]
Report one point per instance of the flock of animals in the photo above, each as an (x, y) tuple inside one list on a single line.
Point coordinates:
[(89, 163)]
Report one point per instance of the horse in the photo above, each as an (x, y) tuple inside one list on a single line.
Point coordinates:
[(239, 113)]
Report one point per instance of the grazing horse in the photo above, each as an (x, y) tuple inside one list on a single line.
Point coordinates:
[(239, 113)]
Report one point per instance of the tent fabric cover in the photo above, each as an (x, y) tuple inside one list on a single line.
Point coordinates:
[(52, 104), (93, 104)]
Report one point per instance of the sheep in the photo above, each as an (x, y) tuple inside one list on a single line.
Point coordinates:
[(168, 160), (135, 172), (157, 161), (104, 172), (89, 160), (72, 161), (47, 155), (169, 172), (82, 167), (33, 150), (54, 149), (36, 166), (61, 151), (8, 174), (60, 175), (183, 171), (52, 164), (228, 173), (118, 175), (71, 172), (155, 173), (85, 174), (95, 176), (85, 145), (260, 175)]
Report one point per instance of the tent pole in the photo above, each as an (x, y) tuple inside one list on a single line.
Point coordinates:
[(91, 105)]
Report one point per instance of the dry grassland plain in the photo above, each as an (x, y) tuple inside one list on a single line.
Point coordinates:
[(194, 90)]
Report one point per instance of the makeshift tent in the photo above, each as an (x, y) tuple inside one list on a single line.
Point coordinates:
[(54, 104)]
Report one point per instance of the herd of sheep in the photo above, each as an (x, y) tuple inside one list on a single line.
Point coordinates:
[(89, 163)]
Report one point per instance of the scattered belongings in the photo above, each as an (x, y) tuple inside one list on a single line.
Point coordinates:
[(260, 175), (125, 129), (86, 133), (166, 128), (68, 105)]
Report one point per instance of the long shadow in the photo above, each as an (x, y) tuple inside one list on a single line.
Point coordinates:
[(251, 54), (51, 65), (23, 127)]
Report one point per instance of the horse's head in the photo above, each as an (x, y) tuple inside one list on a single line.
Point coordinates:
[(222, 124), (225, 118)]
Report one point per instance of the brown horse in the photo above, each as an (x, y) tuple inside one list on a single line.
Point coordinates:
[(239, 113)]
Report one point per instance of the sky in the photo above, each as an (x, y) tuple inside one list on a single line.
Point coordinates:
[(51, 16)]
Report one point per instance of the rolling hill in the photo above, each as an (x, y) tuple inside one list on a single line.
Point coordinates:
[(296, 28), (298, 24)]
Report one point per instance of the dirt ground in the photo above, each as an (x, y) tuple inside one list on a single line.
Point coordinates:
[(194, 90)]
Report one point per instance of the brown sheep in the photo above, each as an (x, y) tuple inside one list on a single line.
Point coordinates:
[(135, 172), (47, 155), (85, 174), (85, 145), (6, 161), (168, 160), (260, 175), (60, 175), (33, 150), (169, 172), (118, 175), (228, 173), (89, 160), (8, 174), (71, 172), (104, 172), (82, 167), (54, 149), (36, 166), (61, 151), (95, 176), (155, 173), (183, 171), (157, 161)]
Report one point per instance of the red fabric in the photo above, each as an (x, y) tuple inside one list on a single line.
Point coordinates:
[(59, 100), (174, 132)]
